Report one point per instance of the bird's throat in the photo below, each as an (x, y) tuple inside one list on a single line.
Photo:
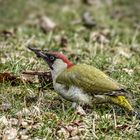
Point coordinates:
[(58, 67)]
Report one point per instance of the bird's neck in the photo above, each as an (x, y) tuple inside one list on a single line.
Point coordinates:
[(58, 67)]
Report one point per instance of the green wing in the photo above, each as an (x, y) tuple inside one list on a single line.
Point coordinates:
[(89, 78)]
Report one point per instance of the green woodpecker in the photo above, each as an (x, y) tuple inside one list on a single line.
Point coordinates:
[(83, 84)]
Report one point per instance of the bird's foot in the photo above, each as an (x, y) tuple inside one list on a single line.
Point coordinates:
[(80, 111)]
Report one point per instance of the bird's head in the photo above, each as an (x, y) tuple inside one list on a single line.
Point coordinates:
[(55, 60)]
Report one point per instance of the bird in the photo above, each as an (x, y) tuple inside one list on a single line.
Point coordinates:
[(83, 84)]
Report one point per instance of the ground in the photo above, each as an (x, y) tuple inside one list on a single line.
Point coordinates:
[(111, 42)]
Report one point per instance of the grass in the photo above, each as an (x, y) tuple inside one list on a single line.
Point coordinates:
[(116, 51)]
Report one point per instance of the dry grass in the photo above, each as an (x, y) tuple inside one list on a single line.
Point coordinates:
[(113, 45)]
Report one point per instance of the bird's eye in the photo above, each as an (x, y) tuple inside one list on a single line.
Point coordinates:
[(52, 58)]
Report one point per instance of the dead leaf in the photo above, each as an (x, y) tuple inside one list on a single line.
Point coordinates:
[(5, 106), (124, 126), (3, 121), (88, 20), (24, 137), (24, 124), (11, 133), (30, 78), (100, 37), (136, 48), (13, 121), (137, 69), (76, 122), (123, 51), (8, 33), (63, 133), (44, 78), (70, 130), (8, 77), (128, 71), (4, 137), (4, 76), (64, 41), (46, 24), (89, 2), (74, 132), (16, 80)]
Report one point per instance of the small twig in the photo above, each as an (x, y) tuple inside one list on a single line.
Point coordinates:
[(37, 73), (63, 107), (114, 116), (93, 128)]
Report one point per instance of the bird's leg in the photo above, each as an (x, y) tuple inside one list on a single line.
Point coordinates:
[(74, 105), (78, 108)]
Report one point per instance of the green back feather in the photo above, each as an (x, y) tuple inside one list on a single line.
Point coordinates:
[(89, 78)]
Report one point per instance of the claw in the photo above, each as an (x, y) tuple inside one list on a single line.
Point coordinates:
[(135, 113)]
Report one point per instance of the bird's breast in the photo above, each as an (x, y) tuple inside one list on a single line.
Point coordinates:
[(72, 93)]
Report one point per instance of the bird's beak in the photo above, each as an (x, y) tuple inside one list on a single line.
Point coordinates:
[(38, 52), (46, 58), (41, 54)]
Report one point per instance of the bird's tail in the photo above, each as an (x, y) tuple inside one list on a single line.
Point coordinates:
[(118, 100), (121, 101)]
